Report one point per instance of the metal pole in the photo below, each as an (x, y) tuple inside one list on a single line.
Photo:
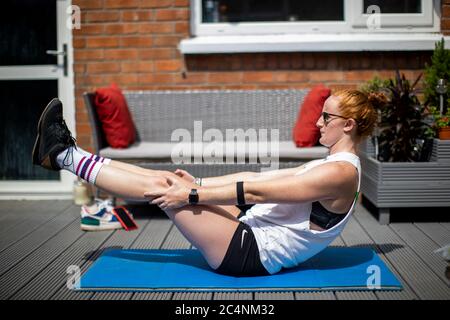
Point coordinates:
[(441, 89)]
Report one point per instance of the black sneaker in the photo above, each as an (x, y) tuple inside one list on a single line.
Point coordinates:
[(53, 136)]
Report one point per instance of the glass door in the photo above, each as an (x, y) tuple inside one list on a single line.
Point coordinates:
[(35, 66)]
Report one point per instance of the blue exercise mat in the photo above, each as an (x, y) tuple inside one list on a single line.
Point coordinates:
[(186, 270)]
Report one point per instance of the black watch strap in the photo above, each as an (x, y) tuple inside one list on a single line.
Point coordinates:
[(240, 193), (193, 196)]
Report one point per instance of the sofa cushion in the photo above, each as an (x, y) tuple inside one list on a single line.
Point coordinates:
[(306, 133), (113, 113), (163, 150)]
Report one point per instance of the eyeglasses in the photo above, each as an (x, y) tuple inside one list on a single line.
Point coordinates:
[(326, 117)]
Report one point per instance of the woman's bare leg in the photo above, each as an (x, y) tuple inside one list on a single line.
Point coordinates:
[(233, 210), (126, 184), (136, 169), (208, 228)]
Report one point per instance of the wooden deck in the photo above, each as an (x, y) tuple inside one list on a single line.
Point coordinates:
[(40, 239)]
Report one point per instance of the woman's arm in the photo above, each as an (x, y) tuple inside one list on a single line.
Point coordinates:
[(248, 176), (327, 181), (217, 181), (241, 176)]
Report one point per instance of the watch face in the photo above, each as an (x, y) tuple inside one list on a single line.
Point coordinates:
[(193, 196)]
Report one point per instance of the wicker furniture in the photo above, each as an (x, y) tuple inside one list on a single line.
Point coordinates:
[(158, 114)]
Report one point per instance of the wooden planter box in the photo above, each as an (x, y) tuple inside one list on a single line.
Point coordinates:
[(406, 184)]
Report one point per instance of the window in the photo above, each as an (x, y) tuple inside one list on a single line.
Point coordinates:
[(396, 6), (257, 17), (234, 11), (410, 14)]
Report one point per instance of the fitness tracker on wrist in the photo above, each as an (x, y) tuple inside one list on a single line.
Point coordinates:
[(240, 193), (193, 196)]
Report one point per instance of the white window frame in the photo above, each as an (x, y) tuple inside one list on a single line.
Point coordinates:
[(406, 32), (354, 22)]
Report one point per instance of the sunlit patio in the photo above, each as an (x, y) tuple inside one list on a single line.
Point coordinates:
[(39, 240)]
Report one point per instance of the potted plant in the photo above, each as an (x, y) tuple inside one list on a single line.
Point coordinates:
[(402, 132), (396, 171), (441, 123)]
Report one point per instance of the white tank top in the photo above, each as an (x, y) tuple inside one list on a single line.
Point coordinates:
[(282, 231)]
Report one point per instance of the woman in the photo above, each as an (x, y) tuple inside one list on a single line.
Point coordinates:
[(297, 213)]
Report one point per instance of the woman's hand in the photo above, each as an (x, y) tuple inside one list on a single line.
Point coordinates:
[(185, 175), (175, 196)]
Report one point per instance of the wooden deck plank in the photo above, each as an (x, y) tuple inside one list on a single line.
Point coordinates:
[(8, 205), (175, 240), (112, 296), (49, 280), (355, 236), (29, 267), (154, 234), (192, 296), (10, 218), (436, 232), (24, 206), (233, 296), (338, 242), (287, 295), (417, 274), (355, 295), (315, 295), (423, 246), (152, 296), (27, 245), (39, 210), (119, 239), (21, 230)]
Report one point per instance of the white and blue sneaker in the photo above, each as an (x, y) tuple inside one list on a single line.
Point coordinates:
[(99, 216)]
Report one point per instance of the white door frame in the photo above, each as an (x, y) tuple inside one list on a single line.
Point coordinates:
[(43, 189)]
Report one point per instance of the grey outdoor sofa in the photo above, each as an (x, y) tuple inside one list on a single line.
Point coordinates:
[(159, 116)]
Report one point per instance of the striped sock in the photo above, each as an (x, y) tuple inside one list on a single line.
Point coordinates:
[(79, 164), (93, 156)]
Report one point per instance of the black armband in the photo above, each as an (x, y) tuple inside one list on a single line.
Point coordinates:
[(240, 193)]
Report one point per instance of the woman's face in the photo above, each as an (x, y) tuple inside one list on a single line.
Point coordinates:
[(331, 128)]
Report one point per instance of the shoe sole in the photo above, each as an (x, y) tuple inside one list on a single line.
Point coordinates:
[(35, 154), (99, 228)]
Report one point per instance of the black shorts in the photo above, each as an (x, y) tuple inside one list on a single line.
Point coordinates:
[(242, 257)]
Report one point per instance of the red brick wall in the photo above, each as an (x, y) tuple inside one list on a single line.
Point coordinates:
[(133, 43), (445, 21)]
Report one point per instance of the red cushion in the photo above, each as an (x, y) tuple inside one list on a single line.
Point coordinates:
[(305, 132), (113, 113)]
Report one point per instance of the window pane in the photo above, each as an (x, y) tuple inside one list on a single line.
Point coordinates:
[(271, 10), (395, 6), (22, 103), (27, 31)]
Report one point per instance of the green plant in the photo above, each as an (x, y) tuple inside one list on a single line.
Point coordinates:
[(440, 121), (439, 69), (400, 123), (374, 85)]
